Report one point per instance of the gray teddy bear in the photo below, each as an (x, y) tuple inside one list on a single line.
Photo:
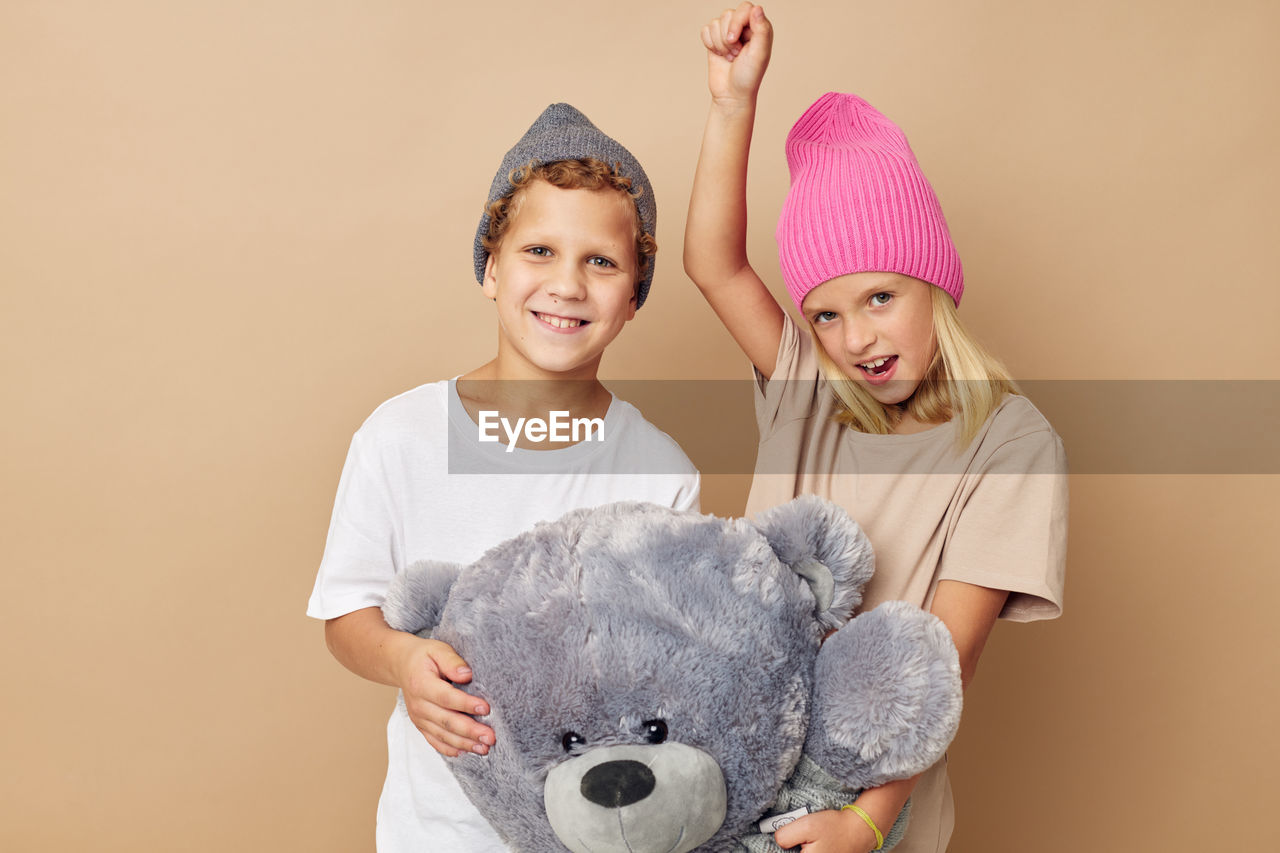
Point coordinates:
[(659, 683)]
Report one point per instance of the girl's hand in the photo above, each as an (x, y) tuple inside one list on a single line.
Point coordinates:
[(738, 46), (827, 832), (441, 711)]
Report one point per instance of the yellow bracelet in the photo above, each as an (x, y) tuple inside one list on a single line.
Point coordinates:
[(867, 819)]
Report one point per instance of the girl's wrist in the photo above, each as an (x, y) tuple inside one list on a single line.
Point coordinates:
[(734, 105), (863, 826)]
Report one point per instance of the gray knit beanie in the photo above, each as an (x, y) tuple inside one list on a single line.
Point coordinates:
[(564, 133)]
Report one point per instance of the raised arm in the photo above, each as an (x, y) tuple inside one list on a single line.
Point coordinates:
[(715, 239)]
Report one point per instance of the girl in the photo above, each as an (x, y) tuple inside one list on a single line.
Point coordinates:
[(959, 481)]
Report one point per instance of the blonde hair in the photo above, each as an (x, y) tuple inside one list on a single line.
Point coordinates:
[(586, 173), (963, 380)]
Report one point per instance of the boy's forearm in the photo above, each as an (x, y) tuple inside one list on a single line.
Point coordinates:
[(426, 671), (364, 644), (715, 246)]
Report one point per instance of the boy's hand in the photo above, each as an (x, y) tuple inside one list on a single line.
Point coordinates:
[(827, 832), (440, 710), (738, 46)]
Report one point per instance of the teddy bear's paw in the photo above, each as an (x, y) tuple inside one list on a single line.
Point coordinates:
[(666, 798), (887, 696)]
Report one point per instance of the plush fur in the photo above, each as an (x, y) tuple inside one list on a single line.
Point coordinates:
[(654, 676)]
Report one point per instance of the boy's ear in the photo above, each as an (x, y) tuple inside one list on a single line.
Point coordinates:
[(490, 284)]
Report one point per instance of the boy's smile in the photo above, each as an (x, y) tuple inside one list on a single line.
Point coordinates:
[(563, 280), (878, 329), (557, 321)]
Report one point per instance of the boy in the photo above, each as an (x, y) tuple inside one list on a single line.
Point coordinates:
[(445, 471)]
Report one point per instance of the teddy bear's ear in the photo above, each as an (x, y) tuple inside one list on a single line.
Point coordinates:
[(822, 544), (417, 595)]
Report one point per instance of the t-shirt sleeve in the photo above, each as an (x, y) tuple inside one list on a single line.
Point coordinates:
[(642, 447), (359, 552), (791, 391), (1011, 533), (689, 494)]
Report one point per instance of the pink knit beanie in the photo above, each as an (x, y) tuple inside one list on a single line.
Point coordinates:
[(859, 203)]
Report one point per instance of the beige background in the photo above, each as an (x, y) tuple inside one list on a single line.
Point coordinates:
[(228, 230)]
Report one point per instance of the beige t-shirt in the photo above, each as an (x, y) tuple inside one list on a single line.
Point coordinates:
[(992, 514)]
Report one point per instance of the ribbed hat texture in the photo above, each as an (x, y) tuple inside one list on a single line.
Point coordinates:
[(859, 203), (564, 133)]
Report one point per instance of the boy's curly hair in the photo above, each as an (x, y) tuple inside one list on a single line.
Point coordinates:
[(586, 173)]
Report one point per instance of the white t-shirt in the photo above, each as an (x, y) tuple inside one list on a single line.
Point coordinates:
[(408, 492)]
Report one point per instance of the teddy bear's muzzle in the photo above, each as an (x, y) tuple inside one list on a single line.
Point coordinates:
[(665, 798)]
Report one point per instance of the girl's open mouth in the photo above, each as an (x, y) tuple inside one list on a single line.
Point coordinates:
[(879, 367)]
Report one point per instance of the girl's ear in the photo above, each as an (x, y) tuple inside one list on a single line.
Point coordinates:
[(824, 546), (416, 598)]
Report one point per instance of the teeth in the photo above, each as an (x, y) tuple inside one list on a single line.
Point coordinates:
[(872, 365), (559, 322)]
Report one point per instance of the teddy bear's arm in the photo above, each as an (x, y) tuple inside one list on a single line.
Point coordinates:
[(887, 696), (416, 597)]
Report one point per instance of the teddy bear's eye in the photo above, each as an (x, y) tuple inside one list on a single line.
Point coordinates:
[(655, 731), (572, 740)]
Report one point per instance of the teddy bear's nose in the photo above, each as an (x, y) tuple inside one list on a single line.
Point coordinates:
[(615, 784)]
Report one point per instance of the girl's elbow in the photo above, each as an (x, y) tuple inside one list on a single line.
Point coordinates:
[(690, 261), (697, 271)]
